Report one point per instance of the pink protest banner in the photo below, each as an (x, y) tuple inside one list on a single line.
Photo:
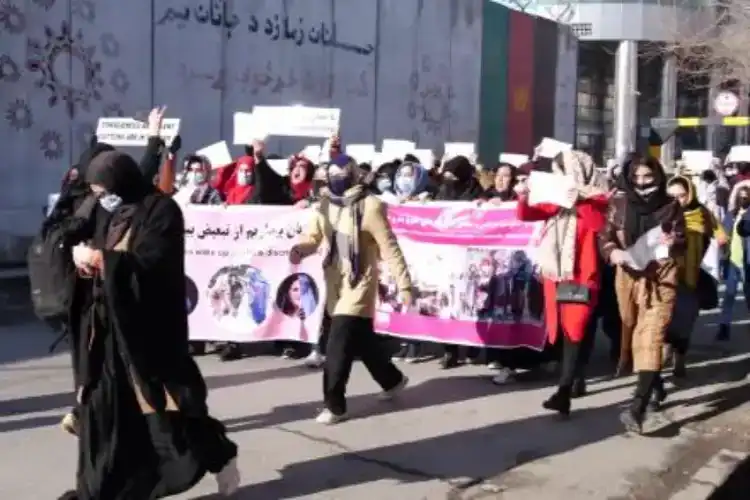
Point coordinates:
[(474, 274), (241, 286)]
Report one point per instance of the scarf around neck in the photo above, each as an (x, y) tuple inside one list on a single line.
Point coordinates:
[(347, 244)]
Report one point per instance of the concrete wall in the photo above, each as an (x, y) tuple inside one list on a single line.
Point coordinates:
[(401, 68)]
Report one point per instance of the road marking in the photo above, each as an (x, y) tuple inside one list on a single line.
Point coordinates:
[(710, 476)]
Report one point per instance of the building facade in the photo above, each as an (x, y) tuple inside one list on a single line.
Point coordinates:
[(624, 78)]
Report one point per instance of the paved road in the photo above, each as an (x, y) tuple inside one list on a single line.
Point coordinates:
[(453, 435)]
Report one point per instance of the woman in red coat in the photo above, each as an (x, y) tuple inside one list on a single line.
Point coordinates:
[(567, 254)]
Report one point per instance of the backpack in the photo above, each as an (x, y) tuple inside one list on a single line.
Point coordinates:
[(50, 271)]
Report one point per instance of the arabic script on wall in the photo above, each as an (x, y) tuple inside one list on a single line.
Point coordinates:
[(276, 27)]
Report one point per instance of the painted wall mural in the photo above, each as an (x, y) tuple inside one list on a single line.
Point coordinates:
[(412, 69)]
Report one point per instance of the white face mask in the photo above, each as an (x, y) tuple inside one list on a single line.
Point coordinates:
[(196, 178), (244, 178), (110, 202)]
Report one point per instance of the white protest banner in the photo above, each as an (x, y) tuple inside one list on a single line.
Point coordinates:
[(697, 161), (363, 153), (515, 159), (453, 149), (549, 148), (426, 157), (397, 148), (247, 129), (132, 132), (298, 121), (550, 188), (312, 152), (217, 153), (739, 153), (281, 167)]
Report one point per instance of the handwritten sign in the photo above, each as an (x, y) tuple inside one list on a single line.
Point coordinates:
[(132, 132), (397, 148), (312, 152), (247, 129), (298, 121), (549, 148), (426, 157), (281, 167), (453, 149), (514, 159), (697, 161), (218, 154), (276, 27), (550, 188), (740, 153), (363, 153)]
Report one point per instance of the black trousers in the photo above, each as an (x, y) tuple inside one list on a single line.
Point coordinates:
[(575, 356), (348, 338)]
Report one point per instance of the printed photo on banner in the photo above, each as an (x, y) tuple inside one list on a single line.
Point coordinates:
[(238, 260), (132, 132), (487, 292)]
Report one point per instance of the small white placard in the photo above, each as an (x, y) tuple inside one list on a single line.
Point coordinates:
[(697, 161), (132, 132), (397, 148), (363, 153), (281, 167), (515, 159), (246, 129), (217, 153), (298, 121), (312, 152), (426, 157), (550, 188), (453, 149), (739, 153), (549, 148)]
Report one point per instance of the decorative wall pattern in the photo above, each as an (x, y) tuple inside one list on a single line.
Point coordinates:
[(397, 68)]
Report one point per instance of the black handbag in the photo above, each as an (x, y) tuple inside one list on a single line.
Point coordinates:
[(567, 292)]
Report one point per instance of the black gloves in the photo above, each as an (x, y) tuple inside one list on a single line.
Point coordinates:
[(176, 145)]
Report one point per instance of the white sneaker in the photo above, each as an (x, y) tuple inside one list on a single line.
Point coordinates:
[(228, 479), (327, 417), (69, 424), (494, 365), (315, 360), (393, 393), (504, 375)]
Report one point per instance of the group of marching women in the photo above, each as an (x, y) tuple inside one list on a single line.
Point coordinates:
[(141, 417)]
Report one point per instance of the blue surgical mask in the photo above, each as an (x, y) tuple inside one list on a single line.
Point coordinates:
[(244, 178), (339, 185), (405, 185), (110, 202), (383, 184)]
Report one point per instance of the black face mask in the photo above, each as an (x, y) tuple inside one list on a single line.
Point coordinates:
[(744, 203)]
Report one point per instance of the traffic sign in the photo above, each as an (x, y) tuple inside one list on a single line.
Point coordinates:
[(726, 103)]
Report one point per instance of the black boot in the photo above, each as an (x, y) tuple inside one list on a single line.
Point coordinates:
[(231, 352), (449, 360), (579, 388), (559, 402), (632, 418), (723, 334), (658, 396)]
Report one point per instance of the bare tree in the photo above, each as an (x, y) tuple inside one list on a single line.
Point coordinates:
[(713, 43)]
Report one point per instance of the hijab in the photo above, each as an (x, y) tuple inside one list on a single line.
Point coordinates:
[(118, 174), (697, 233), (557, 247), (465, 187), (383, 179), (234, 193), (302, 187), (410, 184), (643, 203)]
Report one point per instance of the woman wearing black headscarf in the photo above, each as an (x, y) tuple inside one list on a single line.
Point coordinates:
[(646, 297), (458, 183), (140, 393)]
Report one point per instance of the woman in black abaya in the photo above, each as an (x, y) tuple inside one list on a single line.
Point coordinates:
[(144, 429)]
